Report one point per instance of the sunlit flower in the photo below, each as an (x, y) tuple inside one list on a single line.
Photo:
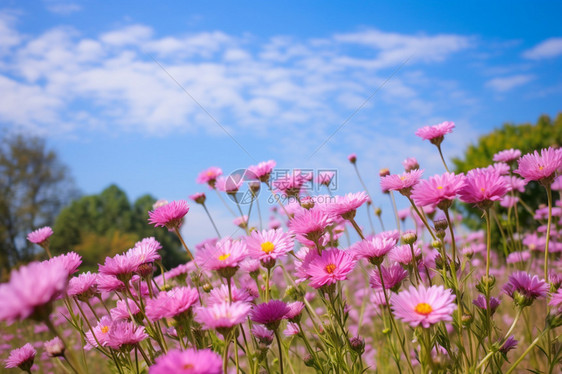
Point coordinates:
[(438, 190), (331, 266), (189, 361), (169, 215), (540, 166), (436, 133), (21, 357), (424, 306), (507, 155), (40, 236)]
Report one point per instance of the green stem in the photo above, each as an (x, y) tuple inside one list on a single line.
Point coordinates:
[(487, 280), (549, 223), (443, 158), (395, 210), (211, 219), (529, 348), (357, 228), (177, 231), (280, 350)]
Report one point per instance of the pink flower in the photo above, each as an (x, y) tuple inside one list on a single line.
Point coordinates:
[(123, 310), (222, 317), (225, 254), (219, 295), (438, 190), (556, 300), (173, 303), (482, 187), (100, 334), (346, 206), (121, 266), (198, 197), (31, 290), (262, 171), (402, 183), (507, 155), (403, 254), (145, 251), (392, 277), (241, 221), (325, 177), (70, 261), (331, 266), (209, 176), (269, 245), (519, 256), (524, 288), (435, 133), (189, 361), (40, 236), (352, 158), (169, 215), (424, 306), (109, 283), (125, 333), (310, 225), (373, 249), (515, 184), (21, 357), (480, 302), (84, 285), (540, 167), (410, 164), (290, 184), (292, 329), (269, 314), (295, 310), (54, 347), (264, 335)]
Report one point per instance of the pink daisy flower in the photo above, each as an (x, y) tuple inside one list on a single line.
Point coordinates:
[(21, 357), (424, 306), (40, 236), (121, 266), (209, 176), (524, 288), (189, 361), (269, 245), (392, 277), (346, 206), (517, 257), (324, 178), (352, 158), (71, 261), (438, 190), (556, 300), (109, 283), (373, 249), (222, 317), (54, 347), (31, 290), (100, 334), (291, 329), (169, 215), (264, 335), (402, 183), (480, 302), (241, 222), (403, 254), (500, 167), (262, 171), (198, 197), (84, 285), (540, 167), (436, 133), (290, 184), (123, 310), (224, 255), (331, 266), (507, 155), (174, 303), (482, 187), (125, 333), (219, 295), (310, 225), (410, 164), (270, 314)]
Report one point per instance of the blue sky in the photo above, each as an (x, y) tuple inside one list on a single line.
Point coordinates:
[(101, 81)]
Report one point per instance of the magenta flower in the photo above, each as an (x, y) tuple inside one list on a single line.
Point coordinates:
[(219, 295), (507, 155), (424, 306), (21, 357), (54, 347), (403, 254), (268, 245), (438, 190), (480, 302), (518, 256), (436, 133), (145, 252), (540, 167), (295, 310), (524, 288), (121, 266), (291, 329), (84, 285), (346, 206), (392, 276), (325, 177), (352, 158), (262, 171), (331, 266), (222, 317), (40, 236), (310, 225), (269, 314), (71, 261), (31, 290), (125, 333), (264, 335), (482, 187), (402, 183), (169, 215), (373, 249), (410, 164), (225, 256), (198, 197), (189, 361), (556, 300), (124, 310), (174, 303), (509, 344), (100, 335), (109, 283), (209, 176)]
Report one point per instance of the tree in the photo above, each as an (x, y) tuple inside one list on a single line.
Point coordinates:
[(103, 225), (525, 137), (34, 185)]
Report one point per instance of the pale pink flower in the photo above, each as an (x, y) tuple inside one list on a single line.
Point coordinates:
[(21, 357), (226, 253), (262, 171), (222, 317), (209, 176), (190, 361), (436, 133), (438, 190), (410, 164), (507, 155), (424, 306), (40, 236), (125, 333), (540, 167), (331, 266), (267, 245), (174, 303)]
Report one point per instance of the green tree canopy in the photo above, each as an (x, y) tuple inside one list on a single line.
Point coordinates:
[(103, 225)]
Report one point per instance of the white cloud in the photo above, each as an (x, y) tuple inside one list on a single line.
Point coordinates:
[(504, 84), (549, 48), (62, 7), (9, 36)]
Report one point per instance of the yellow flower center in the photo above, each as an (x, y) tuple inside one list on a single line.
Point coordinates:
[(188, 366), (267, 247), (210, 173), (439, 187), (541, 167), (423, 308), (224, 256), (330, 268), (482, 189), (104, 329)]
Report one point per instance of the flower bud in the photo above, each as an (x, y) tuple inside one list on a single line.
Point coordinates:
[(357, 344), (409, 237)]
